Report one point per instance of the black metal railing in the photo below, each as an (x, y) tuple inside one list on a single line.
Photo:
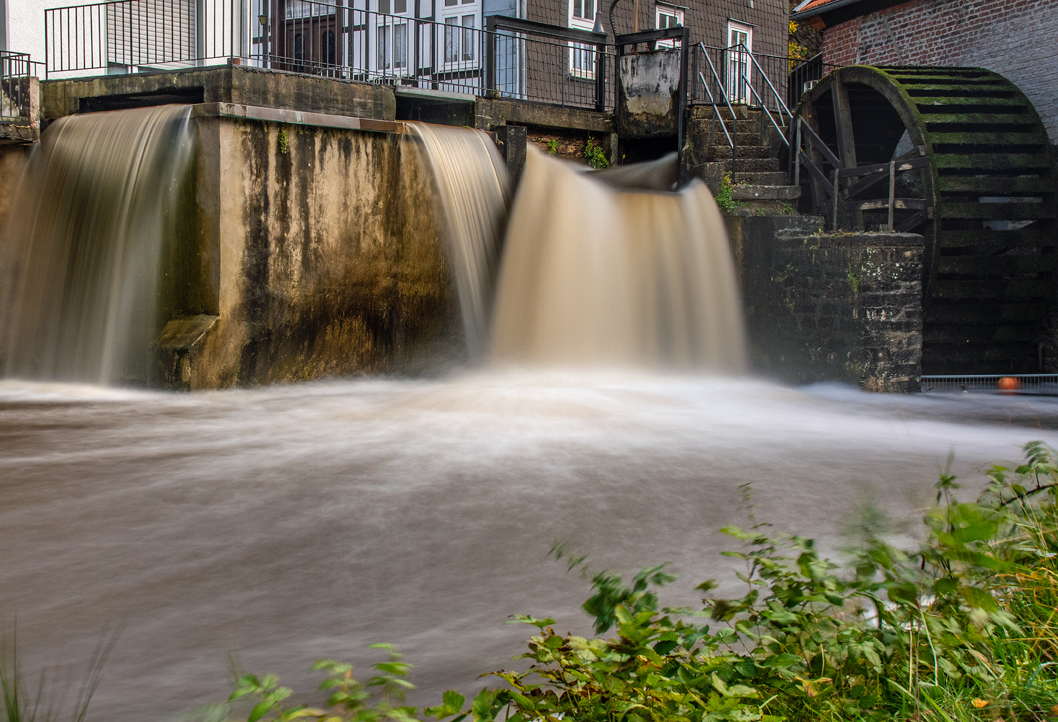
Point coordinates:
[(451, 52), (804, 75), (741, 76), (16, 69)]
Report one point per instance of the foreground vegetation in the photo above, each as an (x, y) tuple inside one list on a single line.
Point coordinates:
[(959, 628)]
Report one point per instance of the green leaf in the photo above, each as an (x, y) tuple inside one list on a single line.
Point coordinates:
[(260, 710)]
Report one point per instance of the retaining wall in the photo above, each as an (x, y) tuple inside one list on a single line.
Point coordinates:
[(831, 307)]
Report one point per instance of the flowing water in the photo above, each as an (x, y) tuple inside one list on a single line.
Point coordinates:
[(80, 266), (472, 195), (596, 274), (288, 523)]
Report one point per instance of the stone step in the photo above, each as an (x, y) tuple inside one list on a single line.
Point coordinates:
[(776, 178), (704, 128), (723, 152), (741, 192), (706, 111), (751, 165)]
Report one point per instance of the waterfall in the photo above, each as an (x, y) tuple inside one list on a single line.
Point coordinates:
[(472, 193), (83, 251), (593, 273)]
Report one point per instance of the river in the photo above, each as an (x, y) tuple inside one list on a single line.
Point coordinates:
[(288, 523)]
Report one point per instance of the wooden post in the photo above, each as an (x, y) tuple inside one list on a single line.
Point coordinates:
[(846, 139), (892, 192)]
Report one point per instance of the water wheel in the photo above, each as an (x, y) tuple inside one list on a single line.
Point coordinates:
[(985, 200)]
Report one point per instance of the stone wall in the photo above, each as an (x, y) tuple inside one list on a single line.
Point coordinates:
[(832, 307), (317, 250), (1017, 39)]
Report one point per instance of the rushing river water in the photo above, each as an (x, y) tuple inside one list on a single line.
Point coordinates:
[(288, 523)]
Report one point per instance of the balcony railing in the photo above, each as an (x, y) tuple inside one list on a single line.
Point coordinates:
[(16, 69), (450, 52), (751, 78)]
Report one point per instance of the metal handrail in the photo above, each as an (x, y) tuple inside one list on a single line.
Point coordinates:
[(782, 133), (733, 142), (782, 105)]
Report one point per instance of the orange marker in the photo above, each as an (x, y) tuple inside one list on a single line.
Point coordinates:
[(1009, 383)]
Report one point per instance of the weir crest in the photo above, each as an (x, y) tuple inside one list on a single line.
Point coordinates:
[(595, 269)]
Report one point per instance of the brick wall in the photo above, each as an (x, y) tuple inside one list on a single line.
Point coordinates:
[(1015, 38)]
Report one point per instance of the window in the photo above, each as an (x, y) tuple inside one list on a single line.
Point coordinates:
[(739, 66), (459, 39), (668, 16), (581, 56), (391, 36)]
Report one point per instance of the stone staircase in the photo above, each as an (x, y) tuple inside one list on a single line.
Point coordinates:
[(760, 183)]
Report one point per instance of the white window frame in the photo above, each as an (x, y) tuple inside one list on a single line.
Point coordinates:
[(668, 11), (737, 88), (391, 24), (459, 12), (581, 56)]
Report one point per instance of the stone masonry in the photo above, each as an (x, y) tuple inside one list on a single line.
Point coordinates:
[(835, 307)]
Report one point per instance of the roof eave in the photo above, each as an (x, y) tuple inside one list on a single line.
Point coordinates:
[(804, 15)]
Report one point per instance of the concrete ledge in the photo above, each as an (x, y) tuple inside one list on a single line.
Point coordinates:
[(295, 117), (765, 193), (849, 240), (490, 113), (223, 84)]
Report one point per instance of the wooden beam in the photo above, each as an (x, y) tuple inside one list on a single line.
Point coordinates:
[(846, 138)]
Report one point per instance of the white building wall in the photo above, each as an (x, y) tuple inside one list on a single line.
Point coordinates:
[(25, 27)]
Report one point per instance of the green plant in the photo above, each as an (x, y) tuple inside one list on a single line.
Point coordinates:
[(854, 280), (787, 209), (552, 147), (724, 198), (595, 155), (19, 704), (283, 142)]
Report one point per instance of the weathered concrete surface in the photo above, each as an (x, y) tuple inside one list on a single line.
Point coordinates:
[(230, 84), (648, 94), (13, 159), (831, 307), (490, 113), (318, 252), (26, 128)]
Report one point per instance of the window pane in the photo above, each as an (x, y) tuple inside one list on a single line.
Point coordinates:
[(383, 7), (330, 49), (468, 37), (450, 3), (589, 9), (451, 52), (383, 48), (400, 6), (400, 45)]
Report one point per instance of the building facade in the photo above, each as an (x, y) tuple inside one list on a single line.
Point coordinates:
[(1015, 38)]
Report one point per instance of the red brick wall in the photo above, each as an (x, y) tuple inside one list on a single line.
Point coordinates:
[(1015, 38)]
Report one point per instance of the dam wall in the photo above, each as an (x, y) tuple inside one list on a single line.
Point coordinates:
[(318, 253)]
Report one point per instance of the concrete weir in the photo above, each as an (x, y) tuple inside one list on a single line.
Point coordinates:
[(307, 245), (315, 247)]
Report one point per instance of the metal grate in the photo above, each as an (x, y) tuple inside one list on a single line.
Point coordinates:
[(990, 383)]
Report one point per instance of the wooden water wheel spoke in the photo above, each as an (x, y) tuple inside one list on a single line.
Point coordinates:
[(986, 203)]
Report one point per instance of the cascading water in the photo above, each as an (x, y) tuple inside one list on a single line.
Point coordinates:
[(81, 267), (596, 274), (473, 191)]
